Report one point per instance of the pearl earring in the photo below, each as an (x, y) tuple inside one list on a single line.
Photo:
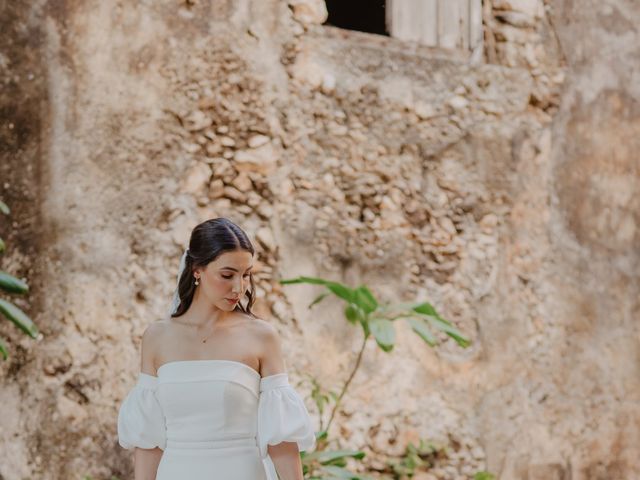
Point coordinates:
[(197, 281)]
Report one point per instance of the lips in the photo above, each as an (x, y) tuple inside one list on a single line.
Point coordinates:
[(232, 300)]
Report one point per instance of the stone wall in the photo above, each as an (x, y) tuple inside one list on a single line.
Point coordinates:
[(486, 189)]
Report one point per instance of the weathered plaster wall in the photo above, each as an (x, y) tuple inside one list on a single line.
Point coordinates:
[(354, 157)]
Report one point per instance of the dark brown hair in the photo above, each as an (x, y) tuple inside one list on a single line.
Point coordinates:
[(208, 241)]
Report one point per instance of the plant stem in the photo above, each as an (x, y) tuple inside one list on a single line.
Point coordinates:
[(346, 385)]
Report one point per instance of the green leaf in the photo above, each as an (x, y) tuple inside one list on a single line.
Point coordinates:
[(4, 208), (449, 329), (312, 280), (3, 350), (2, 246), (342, 291), (383, 332), (425, 308), (19, 318), (318, 299), (419, 326), (484, 476), (328, 456), (365, 299), (352, 313), (338, 289), (338, 472), (11, 284)]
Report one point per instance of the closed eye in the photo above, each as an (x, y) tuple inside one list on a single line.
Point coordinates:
[(229, 276)]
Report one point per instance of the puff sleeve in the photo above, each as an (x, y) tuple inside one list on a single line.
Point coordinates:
[(282, 417), (141, 421)]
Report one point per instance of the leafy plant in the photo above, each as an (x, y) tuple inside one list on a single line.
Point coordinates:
[(376, 319), (323, 465), (415, 457), (321, 398), (484, 476), (13, 285)]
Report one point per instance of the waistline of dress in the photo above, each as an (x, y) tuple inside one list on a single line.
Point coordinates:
[(212, 444)]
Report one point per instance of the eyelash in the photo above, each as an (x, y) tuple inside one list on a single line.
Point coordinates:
[(227, 277)]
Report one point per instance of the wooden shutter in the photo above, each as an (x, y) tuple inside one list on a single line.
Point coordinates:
[(453, 24)]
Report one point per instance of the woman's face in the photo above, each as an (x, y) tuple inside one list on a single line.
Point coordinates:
[(226, 278)]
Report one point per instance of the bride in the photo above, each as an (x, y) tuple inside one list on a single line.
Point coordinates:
[(212, 400)]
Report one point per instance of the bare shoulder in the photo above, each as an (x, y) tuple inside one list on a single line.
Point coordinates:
[(263, 328), (271, 358), (152, 339), (155, 331)]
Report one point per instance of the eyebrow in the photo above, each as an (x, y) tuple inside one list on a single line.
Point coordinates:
[(231, 268)]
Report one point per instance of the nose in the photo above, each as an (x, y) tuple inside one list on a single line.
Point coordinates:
[(237, 287)]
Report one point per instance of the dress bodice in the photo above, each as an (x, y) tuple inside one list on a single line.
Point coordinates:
[(208, 401), (215, 406)]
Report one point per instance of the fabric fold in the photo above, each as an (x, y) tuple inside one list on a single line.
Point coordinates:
[(282, 417), (141, 421)]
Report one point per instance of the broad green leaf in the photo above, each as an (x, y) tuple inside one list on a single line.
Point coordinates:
[(318, 299), (365, 299), (383, 332), (426, 308), (342, 291), (419, 326), (338, 462), (11, 284), (328, 456), (19, 318), (3, 350), (4, 208), (338, 289), (449, 329), (2, 246)]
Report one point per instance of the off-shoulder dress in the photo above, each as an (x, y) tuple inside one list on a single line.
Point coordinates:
[(213, 419)]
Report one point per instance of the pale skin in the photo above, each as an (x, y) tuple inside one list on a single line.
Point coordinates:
[(230, 336)]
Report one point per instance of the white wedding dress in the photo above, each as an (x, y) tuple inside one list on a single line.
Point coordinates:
[(213, 419)]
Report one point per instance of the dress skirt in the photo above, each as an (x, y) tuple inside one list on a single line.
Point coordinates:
[(222, 460)]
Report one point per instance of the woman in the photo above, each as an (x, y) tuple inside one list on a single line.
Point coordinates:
[(213, 399)]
